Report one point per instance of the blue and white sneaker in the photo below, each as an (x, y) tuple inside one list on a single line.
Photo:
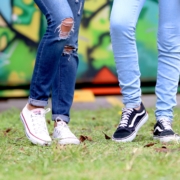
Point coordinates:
[(163, 131), (131, 122)]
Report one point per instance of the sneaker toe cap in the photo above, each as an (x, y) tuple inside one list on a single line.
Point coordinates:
[(121, 133)]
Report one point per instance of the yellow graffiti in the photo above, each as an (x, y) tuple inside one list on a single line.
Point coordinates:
[(90, 5), (15, 93), (100, 21), (17, 11), (27, 1), (3, 42), (16, 78), (32, 30)]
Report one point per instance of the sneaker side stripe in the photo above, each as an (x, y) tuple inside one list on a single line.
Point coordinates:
[(158, 128), (25, 123), (138, 114)]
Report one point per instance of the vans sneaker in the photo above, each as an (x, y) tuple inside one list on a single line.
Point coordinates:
[(64, 134), (35, 125), (131, 122), (163, 131)]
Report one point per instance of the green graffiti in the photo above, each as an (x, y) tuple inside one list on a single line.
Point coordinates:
[(27, 12), (19, 40)]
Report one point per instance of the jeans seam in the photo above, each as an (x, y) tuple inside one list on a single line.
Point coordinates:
[(40, 52), (59, 87)]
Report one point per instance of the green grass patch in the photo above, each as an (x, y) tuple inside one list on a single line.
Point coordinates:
[(99, 159)]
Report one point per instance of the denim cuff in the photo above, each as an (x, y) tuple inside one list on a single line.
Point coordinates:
[(164, 117), (132, 105), (60, 117), (35, 102)]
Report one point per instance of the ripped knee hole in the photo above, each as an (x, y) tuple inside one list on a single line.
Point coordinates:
[(68, 49), (65, 28)]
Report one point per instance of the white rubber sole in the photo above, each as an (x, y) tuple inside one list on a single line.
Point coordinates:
[(31, 137), (167, 139), (67, 141), (133, 135)]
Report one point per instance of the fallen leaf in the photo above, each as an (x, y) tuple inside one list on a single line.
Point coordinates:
[(83, 138), (162, 149), (89, 138), (150, 144), (48, 121), (8, 130), (106, 136)]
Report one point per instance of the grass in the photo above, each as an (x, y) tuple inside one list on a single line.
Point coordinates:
[(99, 159)]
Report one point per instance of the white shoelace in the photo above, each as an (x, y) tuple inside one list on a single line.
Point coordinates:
[(39, 122), (62, 129), (125, 117), (166, 123)]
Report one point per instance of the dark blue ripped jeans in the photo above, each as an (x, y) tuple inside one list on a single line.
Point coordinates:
[(55, 70)]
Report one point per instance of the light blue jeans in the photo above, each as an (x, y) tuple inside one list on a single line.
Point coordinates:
[(55, 69), (124, 17)]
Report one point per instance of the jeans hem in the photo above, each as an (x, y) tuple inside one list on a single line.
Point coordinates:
[(132, 105), (164, 117), (61, 117), (35, 102)]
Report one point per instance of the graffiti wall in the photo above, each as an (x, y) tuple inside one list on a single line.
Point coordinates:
[(22, 25)]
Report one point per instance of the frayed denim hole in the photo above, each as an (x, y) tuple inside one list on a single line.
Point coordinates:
[(65, 35), (69, 52)]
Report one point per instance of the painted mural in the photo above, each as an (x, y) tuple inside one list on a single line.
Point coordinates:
[(22, 25)]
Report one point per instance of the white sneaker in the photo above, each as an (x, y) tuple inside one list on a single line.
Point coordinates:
[(64, 134), (35, 125)]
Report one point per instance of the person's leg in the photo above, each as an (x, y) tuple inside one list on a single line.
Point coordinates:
[(123, 21), (60, 22), (64, 82), (168, 67)]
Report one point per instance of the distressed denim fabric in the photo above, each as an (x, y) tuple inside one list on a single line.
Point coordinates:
[(55, 70), (124, 17)]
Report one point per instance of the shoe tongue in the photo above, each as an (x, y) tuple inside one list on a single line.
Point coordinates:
[(61, 123), (38, 111)]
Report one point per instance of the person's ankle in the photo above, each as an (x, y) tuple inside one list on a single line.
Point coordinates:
[(138, 108), (55, 122), (31, 107)]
